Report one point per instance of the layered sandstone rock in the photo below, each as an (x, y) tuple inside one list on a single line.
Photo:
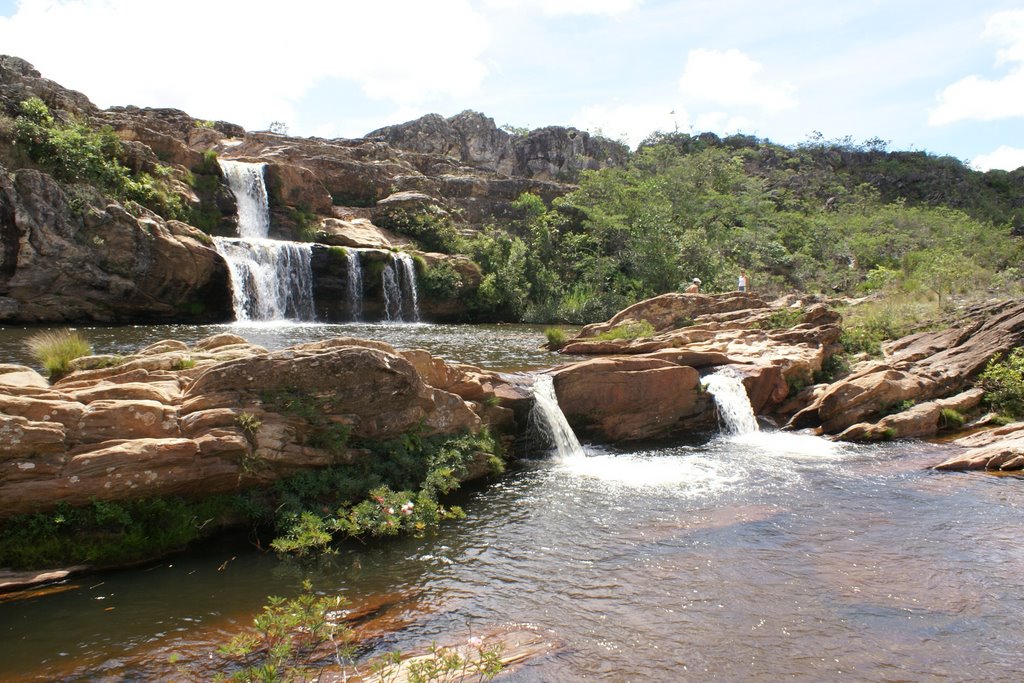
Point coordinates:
[(1000, 449), (632, 398), (916, 370), (104, 264), (233, 415), (741, 331)]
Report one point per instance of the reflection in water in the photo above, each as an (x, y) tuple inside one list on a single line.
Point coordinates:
[(755, 557)]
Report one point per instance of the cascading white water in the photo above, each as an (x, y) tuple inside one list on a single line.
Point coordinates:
[(734, 409), (401, 300), (271, 279), (246, 182), (549, 418), (355, 284)]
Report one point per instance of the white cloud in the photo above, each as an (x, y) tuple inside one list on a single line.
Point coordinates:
[(555, 8), (980, 99), (733, 79), (630, 123), (1004, 157), (252, 61), (722, 123)]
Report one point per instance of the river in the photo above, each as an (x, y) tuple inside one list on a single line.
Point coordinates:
[(762, 556)]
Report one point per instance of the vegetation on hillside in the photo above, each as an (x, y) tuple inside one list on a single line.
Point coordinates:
[(73, 152), (678, 212)]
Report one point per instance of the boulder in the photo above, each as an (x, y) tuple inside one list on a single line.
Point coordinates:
[(920, 420), (629, 399), (358, 233), (737, 329), (249, 418)]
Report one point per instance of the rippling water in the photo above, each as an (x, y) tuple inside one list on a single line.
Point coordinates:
[(502, 347), (760, 557)]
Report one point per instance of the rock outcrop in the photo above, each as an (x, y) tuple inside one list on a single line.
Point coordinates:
[(222, 415), (915, 370), (995, 450), (551, 153), (70, 258), (632, 398), (458, 173)]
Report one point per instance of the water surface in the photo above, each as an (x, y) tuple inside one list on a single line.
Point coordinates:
[(753, 557)]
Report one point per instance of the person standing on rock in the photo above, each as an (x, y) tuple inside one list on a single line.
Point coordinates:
[(694, 286), (742, 282)]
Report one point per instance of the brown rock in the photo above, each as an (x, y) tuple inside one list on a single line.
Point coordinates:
[(108, 419), (628, 399), (358, 233), (21, 438)]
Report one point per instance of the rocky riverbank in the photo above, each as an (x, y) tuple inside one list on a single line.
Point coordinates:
[(783, 350)]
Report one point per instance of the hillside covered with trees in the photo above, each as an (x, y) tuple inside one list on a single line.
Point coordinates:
[(824, 217)]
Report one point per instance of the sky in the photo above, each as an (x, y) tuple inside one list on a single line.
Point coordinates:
[(941, 76)]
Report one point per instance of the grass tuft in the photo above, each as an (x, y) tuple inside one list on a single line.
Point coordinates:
[(55, 349)]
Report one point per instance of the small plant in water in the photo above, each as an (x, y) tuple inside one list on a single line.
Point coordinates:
[(556, 337), (476, 661), (291, 639), (55, 349)]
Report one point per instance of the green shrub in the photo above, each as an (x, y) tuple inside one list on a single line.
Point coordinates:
[(396, 490), (75, 153), (866, 326), (292, 639), (951, 419), (441, 281), (432, 229), (55, 349), (108, 533), (783, 319), (1003, 382)]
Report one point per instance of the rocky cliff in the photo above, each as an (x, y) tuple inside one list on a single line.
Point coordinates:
[(432, 174)]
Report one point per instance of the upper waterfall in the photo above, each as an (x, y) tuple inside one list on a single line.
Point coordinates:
[(271, 279), (250, 190)]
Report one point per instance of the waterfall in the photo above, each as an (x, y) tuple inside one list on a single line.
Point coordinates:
[(550, 419), (734, 409), (272, 279), (354, 274), (246, 182), (401, 300)]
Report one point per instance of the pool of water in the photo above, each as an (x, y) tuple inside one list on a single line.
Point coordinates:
[(498, 347), (764, 556)]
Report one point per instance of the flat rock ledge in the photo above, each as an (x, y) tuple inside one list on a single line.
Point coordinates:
[(224, 415)]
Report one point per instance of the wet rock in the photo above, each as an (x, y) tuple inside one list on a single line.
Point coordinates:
[(997, 449), (630, 398)]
